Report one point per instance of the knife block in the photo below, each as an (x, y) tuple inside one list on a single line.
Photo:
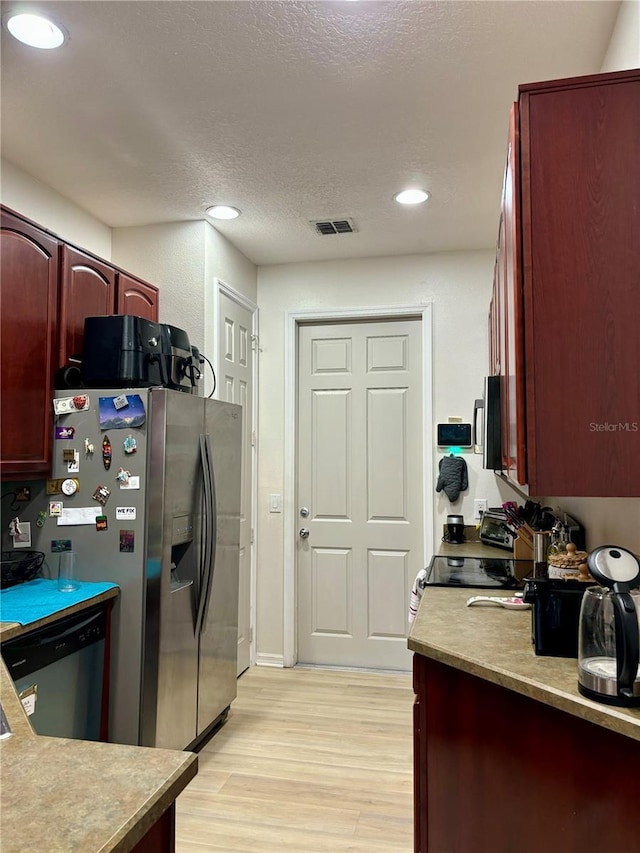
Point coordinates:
[(523, 544)]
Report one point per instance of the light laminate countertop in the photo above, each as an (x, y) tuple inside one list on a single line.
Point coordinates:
[(495, 644)]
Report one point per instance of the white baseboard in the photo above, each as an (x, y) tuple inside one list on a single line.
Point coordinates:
[(263, 659)]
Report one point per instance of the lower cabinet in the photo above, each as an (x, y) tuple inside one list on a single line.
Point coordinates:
[(161, 837), (497, 772)]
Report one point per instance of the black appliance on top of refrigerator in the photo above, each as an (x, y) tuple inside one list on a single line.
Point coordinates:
[(161, 471)]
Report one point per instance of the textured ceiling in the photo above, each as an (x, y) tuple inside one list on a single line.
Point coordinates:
[(290, 111)]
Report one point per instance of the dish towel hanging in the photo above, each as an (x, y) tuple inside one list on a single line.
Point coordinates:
[(416, 593), (453, 477)]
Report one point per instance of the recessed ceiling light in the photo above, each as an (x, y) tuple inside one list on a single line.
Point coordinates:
[(411, 196), (222, 211), (35, 31)]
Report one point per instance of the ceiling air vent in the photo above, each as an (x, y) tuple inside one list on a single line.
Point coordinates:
[(333, 226)]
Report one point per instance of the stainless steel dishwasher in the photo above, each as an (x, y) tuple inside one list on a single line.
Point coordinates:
[(58, 673)]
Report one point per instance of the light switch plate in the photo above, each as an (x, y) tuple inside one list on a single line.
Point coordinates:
[(275, 503)]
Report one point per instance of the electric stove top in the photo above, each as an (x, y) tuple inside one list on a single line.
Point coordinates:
[(478, 572)]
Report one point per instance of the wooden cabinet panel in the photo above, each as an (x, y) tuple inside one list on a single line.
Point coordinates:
[(28, 338), (502, 331), (420, 793), (137, 297), (87, 290), (505, 772), (581, 287), (514, 357), (570, 352)]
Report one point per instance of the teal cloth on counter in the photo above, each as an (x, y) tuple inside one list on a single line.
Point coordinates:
[(37, 599)]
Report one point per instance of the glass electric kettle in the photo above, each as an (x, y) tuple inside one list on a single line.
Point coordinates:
[(609, 638)]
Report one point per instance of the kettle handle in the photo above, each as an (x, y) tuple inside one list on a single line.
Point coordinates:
[(627, 642)]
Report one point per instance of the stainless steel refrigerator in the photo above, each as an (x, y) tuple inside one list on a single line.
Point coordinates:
[(167, 533)]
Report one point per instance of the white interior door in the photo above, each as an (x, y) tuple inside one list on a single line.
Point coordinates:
[(236, 386), (359, 474)]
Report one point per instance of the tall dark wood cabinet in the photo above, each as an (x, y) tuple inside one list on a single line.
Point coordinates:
[(87, 289), (28, 341), (569, 278)]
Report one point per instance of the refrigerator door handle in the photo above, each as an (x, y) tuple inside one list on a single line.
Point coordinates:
[(212, 524), (205, 537)]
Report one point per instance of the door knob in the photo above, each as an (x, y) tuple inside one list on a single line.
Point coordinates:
[(304, 532), (304, 511)]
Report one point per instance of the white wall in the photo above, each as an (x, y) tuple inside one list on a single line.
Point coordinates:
[(171, 256), (624, 46), (224, 262), (183, 259), (46, 207), (458, 285)]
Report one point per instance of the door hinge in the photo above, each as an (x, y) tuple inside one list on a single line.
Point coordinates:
[(253, 438), (252, 535), (251, 634)]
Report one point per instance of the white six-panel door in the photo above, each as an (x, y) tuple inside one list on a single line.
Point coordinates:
[(359, 473), (236, 386)]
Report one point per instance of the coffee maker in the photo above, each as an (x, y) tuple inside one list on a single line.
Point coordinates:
[(455, 530)]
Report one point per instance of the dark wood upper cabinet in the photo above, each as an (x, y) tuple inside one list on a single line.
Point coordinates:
[(514, 411), (48, 288), (136, 297), (28, 341), (88, 288), (571, 207)]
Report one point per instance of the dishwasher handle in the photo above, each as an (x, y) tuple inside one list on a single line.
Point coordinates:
[(57, 632), (35, 649)]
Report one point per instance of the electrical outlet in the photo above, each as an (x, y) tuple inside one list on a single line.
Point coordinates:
[(23, 494), (479, 506)]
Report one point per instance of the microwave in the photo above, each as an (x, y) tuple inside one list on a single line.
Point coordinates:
[(495, 531), (489, 434)]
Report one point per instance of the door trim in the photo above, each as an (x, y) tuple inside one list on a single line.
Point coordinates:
[(293, 319), (221, 288)]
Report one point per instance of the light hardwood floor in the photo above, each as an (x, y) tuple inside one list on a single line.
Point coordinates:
[(309, 761)]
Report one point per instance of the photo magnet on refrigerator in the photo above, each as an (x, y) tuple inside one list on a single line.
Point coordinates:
[(111, 417), (127, 541), (65, 432), (101, 495)]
